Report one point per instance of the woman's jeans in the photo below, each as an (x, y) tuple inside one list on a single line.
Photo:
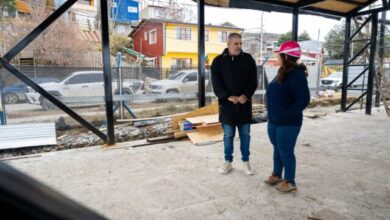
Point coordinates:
[(284, 139)]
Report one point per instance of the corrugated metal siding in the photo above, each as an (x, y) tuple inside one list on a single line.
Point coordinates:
[(27, 135)]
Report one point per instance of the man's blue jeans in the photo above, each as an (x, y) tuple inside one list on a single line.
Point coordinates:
[(284, 139), (228, 139)]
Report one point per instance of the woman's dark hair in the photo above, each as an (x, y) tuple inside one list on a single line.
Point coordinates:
[(288, 64)]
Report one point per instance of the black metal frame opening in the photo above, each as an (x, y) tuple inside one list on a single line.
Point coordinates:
[(5, 63)]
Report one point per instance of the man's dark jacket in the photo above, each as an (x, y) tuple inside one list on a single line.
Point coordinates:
[(234, 76)]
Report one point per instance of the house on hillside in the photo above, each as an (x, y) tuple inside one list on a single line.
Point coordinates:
[(174, 45)]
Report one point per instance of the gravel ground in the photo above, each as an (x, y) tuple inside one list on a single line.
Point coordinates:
[(342, 173)]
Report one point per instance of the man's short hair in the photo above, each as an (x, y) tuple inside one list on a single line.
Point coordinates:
[(233, 35)]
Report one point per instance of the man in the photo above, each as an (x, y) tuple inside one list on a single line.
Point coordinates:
[(234, 79)]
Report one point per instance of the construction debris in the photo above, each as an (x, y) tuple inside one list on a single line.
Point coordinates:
[(201, 126), (313, 115), (207, 134)]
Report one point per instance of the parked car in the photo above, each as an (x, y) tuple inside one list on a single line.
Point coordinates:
[(82, 84), (184, 81), (17, 92), (334, 81)]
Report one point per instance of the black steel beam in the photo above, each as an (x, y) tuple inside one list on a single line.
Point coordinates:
[(357, 9), (107, 73), (23, 197), (381, 57), (305, 3), (371, 11), (38, 30), (283, 7), (359, 53), (322, 12), (295, 22), (201, 56), (357, 77), (351, 2), (307, 9), (24, 78), (371, 64), (276, 4), (356, 100), (345, 64), (361, 26), (384, 21)]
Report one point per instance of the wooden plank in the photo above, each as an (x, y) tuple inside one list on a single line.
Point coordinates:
[(207, 125), (195, 120), (204, 119), (206, 134), (161, 139), (181, 134), (207, 110)]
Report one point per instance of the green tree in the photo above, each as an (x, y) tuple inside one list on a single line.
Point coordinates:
[(334, 41), (304, 36), (288, 36), (7, 6), (118, 41)]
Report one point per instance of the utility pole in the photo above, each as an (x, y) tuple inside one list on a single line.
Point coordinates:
[(319, 65), (261, 38)]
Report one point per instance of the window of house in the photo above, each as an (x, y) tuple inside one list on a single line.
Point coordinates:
[(146, 35), (152, 36), (223, 36), (131, 9), (85, 2), (181, 62), (206, 35), (183, 33)]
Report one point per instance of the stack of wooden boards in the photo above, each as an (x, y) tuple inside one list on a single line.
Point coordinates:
[(206, 127)]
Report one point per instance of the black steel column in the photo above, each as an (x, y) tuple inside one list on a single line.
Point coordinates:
[(347, 35), (381, 55), (294, 31), (107, 73), (201, 55), (371, 64)]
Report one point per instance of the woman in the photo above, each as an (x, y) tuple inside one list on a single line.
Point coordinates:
[(287, 96)]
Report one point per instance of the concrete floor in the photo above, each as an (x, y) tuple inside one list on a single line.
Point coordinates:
[(342, 173)]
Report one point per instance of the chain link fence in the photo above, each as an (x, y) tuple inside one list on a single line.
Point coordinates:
[(140, 92)]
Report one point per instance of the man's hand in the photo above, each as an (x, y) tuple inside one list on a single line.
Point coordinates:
[(242, 99), (233, 99)]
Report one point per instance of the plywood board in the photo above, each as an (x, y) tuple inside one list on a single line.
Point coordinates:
[(207, 125), (182, 134), (207, 110), (204, 119), (206, 134)]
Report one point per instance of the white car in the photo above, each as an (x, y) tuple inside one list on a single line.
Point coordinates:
[(185, 81), (81, 84), (334, 81)]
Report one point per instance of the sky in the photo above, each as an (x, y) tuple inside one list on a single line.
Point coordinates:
[(273, 22), (316, 26)]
